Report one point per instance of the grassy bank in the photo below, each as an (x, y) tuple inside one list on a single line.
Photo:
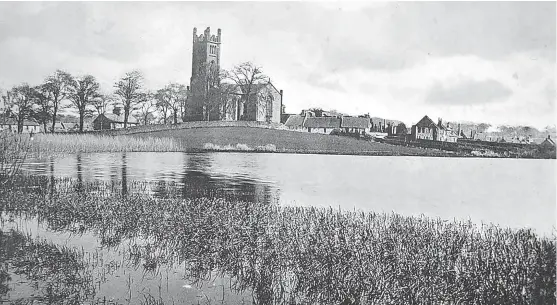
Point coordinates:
[(227, 138), (89, 143), (299, 255)]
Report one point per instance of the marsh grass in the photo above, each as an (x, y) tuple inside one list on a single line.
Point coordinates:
[(89, 143), (301, 255), (13, 151)]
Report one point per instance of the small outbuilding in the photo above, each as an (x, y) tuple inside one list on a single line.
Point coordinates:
[(112, 121)]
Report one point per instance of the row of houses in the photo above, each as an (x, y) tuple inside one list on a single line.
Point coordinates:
[(325, 125), (31, 126), (425, 129), (103, 121), (10, 125)]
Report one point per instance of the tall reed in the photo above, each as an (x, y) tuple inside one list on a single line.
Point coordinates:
[(300, 255), (88, 143), (13, 151)]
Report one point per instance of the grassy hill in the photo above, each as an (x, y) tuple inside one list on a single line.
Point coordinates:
[(286, 141)]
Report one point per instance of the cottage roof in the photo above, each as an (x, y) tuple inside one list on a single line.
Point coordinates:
[(322, 122), (294, 120), (426, 122), (354, 122), (119, 118), (548, 141)]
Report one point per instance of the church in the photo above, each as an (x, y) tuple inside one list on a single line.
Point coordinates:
[(231, 102)]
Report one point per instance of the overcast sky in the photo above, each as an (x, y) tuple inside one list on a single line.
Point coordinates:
[(476, 61)]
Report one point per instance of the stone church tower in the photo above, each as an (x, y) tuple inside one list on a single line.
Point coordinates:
[(205, 68)]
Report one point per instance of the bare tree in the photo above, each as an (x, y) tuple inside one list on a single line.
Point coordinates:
[(19, 102), (57, 87), (248, 77), (147, 108), (225, 99), (171, 98), (129, 89), (162, 107), (43, 103), (102, 102), (83, 91)]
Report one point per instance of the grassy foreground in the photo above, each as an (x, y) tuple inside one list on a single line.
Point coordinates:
[(299, 255)]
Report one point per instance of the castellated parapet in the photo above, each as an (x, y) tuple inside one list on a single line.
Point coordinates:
[(206, 36)]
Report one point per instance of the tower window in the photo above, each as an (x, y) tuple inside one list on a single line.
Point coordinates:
[(213, 50)]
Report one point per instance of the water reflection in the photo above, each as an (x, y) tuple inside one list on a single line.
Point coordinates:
[(192, 175), (476, 189)]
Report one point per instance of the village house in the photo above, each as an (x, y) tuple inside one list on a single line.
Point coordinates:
[(324, 125), (295, 122), (355, 124), (10, 125), (548, 143), (113, 120), (426, 129)]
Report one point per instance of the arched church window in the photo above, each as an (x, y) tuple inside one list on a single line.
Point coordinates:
[(269, 108)]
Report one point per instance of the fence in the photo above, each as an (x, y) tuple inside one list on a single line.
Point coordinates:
[(495, 144)]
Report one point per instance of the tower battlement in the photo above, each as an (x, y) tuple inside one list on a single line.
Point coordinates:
[(206, 36)]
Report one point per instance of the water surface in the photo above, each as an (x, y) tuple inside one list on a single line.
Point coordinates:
[(508, 192)]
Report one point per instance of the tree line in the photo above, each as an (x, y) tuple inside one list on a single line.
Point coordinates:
[(61, 90)]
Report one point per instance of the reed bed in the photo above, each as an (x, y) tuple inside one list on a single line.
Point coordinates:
[(301, 255), (89, 143), (13, 151)]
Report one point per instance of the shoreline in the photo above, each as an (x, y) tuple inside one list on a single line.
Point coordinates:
[(292, 152)]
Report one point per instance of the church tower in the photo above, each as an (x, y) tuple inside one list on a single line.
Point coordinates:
[(204, 71)]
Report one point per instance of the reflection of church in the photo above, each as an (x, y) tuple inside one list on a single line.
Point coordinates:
[(264, 103)]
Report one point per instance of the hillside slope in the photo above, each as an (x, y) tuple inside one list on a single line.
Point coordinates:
[(289, 141)]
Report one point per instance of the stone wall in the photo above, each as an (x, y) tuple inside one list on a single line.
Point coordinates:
[(188, 125)]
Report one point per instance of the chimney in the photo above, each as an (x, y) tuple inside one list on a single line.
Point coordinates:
[(439, 122), (219, 34), (188, 88)]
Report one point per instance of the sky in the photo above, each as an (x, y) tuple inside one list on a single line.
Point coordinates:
[(488, 62)]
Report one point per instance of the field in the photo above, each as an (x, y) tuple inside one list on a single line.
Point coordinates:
[(280, 255), (194, 139)]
